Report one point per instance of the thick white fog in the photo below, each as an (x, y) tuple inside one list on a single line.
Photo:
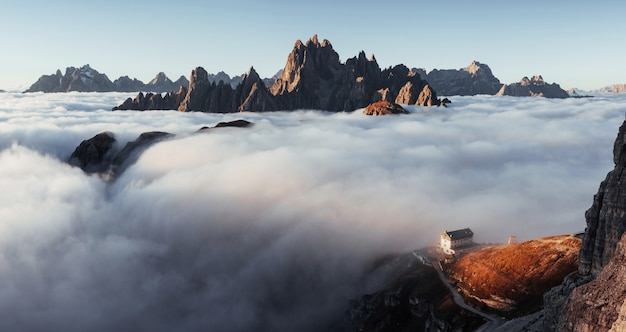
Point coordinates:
[(271, 228)]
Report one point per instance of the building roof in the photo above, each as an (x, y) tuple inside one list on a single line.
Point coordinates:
[(460, 234)]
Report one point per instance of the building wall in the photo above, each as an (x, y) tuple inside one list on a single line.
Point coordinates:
[(449, 246)]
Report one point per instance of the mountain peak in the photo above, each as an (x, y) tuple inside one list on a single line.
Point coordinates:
[(160, 78), (473, 67)]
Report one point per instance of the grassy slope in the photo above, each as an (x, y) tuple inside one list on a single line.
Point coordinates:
[(512, 279)]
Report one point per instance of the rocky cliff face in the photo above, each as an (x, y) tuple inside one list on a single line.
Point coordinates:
[(313, 78), (599, 305), (606, 219), (593, 298), (474, 79), (535, 87)]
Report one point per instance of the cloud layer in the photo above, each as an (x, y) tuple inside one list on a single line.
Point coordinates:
[(272, 228)]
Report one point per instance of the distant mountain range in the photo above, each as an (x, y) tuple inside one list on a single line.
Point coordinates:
[(615, 88), (87, 79), (477, 78)]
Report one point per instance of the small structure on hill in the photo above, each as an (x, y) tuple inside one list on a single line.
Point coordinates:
[(512, 240), (454, 241)]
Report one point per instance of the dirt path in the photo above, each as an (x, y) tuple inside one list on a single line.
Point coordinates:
[(494, 321)]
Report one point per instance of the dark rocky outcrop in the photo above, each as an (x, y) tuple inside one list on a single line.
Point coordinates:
[(153, 101), (98, 154), (251, 95), (92, 154), (204, 96), (313, 78), (475, 79), (384, 107), (535, 87), (229, 124), (198, 93)]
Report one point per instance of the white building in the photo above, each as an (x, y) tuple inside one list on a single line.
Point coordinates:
[(452, 241)]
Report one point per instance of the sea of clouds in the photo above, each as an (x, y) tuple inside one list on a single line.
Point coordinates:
[(276, 227)]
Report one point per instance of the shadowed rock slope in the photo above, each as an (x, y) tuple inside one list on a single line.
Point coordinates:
[(511, 279), (313, 78), (414, 300)]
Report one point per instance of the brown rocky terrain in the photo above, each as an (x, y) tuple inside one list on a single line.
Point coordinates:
[(511, 279), (384, 108)]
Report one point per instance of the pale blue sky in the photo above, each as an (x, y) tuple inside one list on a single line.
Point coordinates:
[(575, 43)]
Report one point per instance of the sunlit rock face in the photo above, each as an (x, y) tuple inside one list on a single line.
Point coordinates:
[(384, 108)]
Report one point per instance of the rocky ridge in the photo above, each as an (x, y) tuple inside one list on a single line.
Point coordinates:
[(475, 79), (535, 87), (87, 79), (313, 78)]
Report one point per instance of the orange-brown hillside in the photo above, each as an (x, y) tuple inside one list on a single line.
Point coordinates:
[(513, 278)]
